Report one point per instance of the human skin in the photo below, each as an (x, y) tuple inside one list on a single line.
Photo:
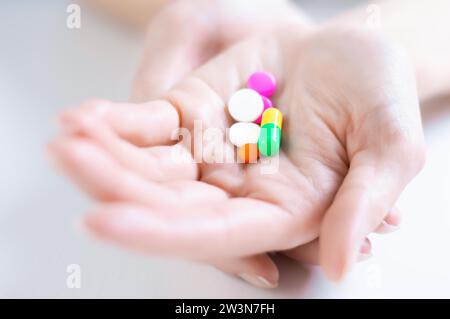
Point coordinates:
[(135, 13), (351, 129), (422, 28)]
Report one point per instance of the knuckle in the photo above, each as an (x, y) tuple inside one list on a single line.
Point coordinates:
[(418, 153), (120, 189), (411, 149), (94, 105), (301, 230), (196, 101)]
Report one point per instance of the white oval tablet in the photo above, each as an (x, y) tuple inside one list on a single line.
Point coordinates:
[(244, 133), (246, 105)]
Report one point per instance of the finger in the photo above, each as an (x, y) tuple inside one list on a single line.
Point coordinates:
[(309, 253), (201, 99), (94, 170), (148, 124), (226, 229), (158, 163), (97, 173), (369, 190), (178, 40), (258, 270), (204, 93), (188, 39), (391, 222)]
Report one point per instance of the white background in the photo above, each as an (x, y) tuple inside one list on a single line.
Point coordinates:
[(45, 67)]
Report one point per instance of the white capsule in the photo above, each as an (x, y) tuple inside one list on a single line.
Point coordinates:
[(246, 105), (244, 133)]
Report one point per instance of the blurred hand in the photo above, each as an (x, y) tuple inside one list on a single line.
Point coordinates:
[(187, 33), (352, 141)]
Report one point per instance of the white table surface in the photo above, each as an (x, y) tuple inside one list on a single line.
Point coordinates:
[(44, 67)]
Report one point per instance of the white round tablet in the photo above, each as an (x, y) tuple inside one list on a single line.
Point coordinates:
[(244, 133), (246, 105)]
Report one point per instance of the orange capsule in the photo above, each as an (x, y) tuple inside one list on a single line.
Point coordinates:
[(248, 153)]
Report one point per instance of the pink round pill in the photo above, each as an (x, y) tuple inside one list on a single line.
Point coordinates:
[(267, 104), (262, 82)]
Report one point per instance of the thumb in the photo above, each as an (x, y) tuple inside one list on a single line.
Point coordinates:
[(367, 194)]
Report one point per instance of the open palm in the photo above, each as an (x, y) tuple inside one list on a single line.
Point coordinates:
[(352, 140)]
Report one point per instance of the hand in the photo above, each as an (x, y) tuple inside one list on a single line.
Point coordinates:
[(187, 33), (351, 131)]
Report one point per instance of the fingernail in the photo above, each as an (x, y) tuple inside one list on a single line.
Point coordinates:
[(387, 228), (258, 281), (365, 251)]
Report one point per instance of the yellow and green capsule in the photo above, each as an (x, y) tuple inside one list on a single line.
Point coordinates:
[(270, 136)]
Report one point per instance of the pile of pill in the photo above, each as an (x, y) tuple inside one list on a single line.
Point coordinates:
[(258, 123)]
